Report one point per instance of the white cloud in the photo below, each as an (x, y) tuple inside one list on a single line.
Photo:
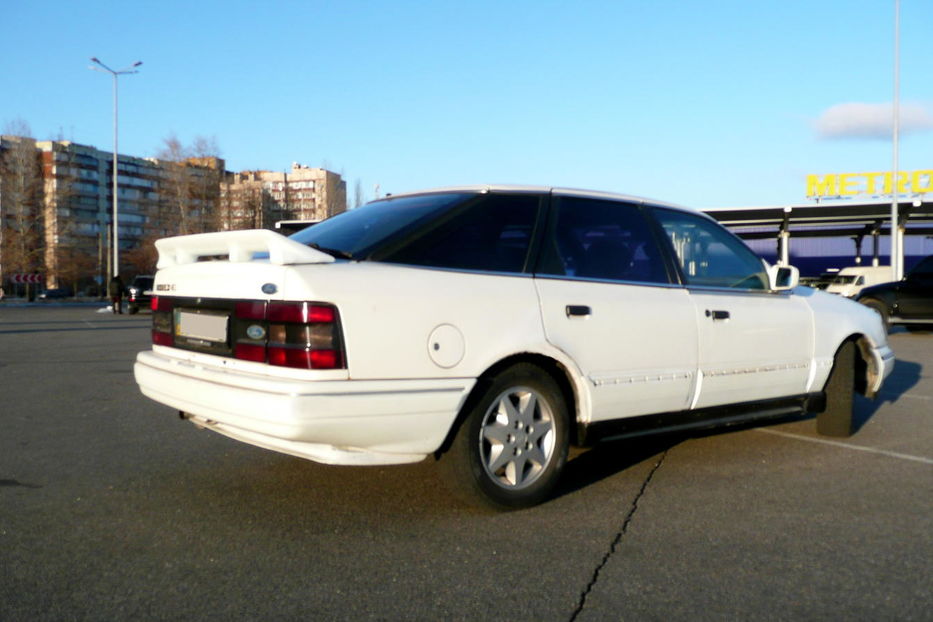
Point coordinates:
[(860, 120)]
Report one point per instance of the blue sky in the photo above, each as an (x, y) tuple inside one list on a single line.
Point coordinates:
[(702, 103)]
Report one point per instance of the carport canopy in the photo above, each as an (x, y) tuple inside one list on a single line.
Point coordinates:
[(849, 219)]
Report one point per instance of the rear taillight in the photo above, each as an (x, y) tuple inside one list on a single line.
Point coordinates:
[(302, 335), (162, 321)]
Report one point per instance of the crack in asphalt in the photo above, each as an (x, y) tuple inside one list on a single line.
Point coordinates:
[(618, 538), (13, 483)]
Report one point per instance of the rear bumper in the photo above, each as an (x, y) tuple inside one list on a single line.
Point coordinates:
[(330, 421)]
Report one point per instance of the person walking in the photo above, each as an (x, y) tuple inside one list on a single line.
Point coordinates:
[(116, 293)]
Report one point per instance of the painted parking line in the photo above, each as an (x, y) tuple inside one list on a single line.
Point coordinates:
[(871, 450), (895, 396)]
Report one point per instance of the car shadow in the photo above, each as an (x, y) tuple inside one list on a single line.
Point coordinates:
[(905, 376), (587, 466)]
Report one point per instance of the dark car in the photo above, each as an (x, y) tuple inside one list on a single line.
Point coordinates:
[(56, 292), (908, 302), (139, 293)]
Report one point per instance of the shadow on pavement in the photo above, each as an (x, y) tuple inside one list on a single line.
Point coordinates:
[(905, 377), (588, 466), (608, 458)]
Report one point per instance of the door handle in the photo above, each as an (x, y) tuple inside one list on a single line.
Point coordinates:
[(578, 311), (717, 315)]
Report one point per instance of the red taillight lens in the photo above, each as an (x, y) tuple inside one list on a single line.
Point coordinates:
[(162, 339), (326, 359), (301, 335), (161, 303), (250, 352), (301, 313), (319, 314), (251, 310), (162, 333), (300, 358)]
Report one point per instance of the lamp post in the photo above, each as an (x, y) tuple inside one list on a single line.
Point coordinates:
[(99, 66), (897, 250)]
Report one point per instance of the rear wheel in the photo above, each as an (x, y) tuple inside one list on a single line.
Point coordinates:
[(512, 444), (837, 419)]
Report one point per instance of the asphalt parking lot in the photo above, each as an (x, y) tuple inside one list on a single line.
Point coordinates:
[(112, 508)]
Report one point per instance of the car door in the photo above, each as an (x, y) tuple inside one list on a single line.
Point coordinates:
[(915, 293), (753, 343), (608, 302)]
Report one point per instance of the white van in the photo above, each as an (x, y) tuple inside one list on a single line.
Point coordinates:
[(851, 280)]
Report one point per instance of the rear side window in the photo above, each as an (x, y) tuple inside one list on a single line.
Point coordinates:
[(709, 255), (604, 240), (489, 233)]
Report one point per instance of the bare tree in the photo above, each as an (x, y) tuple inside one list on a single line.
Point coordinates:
[(143, 258), (190, 189), (21, 219), (62, 241), (358, 198), (175, 187), (242, 204), (74, 267)]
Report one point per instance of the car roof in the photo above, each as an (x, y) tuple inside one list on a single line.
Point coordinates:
[(514, 188)]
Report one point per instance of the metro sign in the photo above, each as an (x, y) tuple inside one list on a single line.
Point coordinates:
[(25, 277), (853, 184)]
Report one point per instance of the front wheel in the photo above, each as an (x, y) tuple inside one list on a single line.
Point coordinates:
[(838, 419), (512, 443)]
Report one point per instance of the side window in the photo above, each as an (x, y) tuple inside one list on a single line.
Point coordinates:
[(491, 233), (709, 255), (607, 240), (923, 270)]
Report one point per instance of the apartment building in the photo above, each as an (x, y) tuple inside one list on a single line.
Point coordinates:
[(56, 204), (262, 198), (78, 205)]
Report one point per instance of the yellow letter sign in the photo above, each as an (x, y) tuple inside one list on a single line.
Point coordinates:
[(840, 185)]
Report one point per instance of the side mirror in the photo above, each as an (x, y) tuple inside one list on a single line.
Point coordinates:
[(782, 278)]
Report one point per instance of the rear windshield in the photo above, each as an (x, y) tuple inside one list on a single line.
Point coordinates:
[(486, 232), (359, 232)]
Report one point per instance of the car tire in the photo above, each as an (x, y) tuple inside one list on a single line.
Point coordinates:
[(512, 443), (881, 309), (837, 419), (133, 309)]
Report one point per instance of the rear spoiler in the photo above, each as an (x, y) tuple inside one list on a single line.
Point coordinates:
[(236, 246)]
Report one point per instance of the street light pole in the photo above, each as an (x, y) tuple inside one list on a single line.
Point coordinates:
[(115, 238), (897, 251)]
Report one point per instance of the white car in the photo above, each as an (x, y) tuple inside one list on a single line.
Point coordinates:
[(491, 328)]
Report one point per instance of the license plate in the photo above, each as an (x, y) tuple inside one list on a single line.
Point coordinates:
[(206, 326)]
